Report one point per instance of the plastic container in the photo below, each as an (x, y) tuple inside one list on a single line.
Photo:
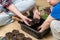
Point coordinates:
[(32, 30)]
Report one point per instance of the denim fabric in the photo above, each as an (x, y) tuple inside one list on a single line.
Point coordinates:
[(55, 28), (21, 5)]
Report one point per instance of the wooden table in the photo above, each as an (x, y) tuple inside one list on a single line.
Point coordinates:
[(16, 25)]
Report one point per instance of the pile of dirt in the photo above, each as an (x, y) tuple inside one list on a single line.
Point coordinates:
[(15, 35)]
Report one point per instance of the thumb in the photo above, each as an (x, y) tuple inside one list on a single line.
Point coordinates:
[(41, 30), (38, 28)]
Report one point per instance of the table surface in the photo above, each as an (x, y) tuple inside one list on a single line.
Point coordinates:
[(16, 25)]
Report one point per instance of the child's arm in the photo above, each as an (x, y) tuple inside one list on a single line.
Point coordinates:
[(46, 24)]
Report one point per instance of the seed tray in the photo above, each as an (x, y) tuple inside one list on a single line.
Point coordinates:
[(32, 30)]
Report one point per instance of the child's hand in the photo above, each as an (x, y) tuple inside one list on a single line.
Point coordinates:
[(26, 20), (41, 29)]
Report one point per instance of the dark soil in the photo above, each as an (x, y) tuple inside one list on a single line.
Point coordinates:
[(15, 35)]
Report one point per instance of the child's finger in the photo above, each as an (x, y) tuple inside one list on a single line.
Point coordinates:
[(41, 30), (38, 28)]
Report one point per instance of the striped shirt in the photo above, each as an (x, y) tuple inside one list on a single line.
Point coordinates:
[(5, 3)]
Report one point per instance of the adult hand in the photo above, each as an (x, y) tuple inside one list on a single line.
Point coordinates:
[(26, 20), (36, 14)]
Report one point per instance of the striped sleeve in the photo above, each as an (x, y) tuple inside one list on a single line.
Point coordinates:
[(6, 3)]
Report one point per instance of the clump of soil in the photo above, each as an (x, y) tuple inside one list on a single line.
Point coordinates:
[(15, 35), (37, 24), (9, 36), (20, 36), (15, 32)]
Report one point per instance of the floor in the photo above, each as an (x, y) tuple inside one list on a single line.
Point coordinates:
[(16, 25)]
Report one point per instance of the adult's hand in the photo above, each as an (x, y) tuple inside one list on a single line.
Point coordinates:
[(36, 14), (26, 20)]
